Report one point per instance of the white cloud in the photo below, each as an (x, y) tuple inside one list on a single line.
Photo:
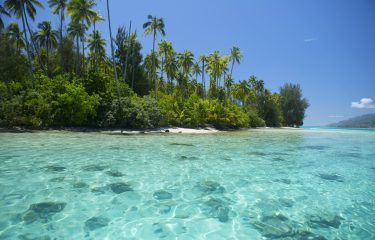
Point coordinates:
[(310, 39), (364, 103)]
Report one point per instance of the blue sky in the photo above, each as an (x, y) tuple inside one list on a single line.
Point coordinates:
[(327, 46)]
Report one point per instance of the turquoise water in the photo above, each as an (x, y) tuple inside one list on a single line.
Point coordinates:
[(256, 184)]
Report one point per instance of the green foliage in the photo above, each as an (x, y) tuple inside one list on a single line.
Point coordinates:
[(293, 106)]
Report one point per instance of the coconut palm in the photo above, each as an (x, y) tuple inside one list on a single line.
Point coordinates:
[(15, 35), (235, 57), (113, 52), (47, 38), (196, 70), (96, 45), (81, 12), (76, 30), (19, 9), (171, 67), (5, 13), (164, 48), (153, 26), (203, 58), (97, 18), (58, 8)]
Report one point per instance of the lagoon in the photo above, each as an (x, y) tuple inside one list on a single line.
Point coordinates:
[(251, 184)]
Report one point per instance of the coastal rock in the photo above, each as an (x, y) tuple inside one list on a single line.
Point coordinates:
[(120, 187), (95, 223), (162, 195)]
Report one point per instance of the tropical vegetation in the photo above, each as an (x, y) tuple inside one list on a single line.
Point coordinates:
[(63, 76)]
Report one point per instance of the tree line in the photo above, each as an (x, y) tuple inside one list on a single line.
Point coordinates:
[(57, 77)]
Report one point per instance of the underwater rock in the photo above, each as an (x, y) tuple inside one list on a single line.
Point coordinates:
[(331, 177), (316, 147), (183, 157), (93, 168), (101, 189), (261, 154), (286, 202), (275, 226), (284, 180), (278, 159), (95, 223), (32, 236), (209, 187), (162, 195), (55, 168), (324, 221), (120, 187), (182, 144), (42, 211), (216, 208), (114, 173), (57, 179), (80, 185)]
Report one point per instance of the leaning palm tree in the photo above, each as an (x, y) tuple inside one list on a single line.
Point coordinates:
[(15, 35), (196, 70), (5, 13), (235, 56), (58, 8), (81, 12), (47, 38), (152, 26), (113, 52), (96, 45)]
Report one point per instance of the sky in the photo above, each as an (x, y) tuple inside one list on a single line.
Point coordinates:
[(326, 46)]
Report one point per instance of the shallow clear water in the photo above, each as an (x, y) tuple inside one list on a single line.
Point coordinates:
[(256, 184)]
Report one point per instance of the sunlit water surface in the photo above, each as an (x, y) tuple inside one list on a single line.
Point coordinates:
[(256, 184)]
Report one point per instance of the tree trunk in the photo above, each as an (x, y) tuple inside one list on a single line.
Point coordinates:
[(27, 48), (77, 56), (113, 52), (83, 51), (33, 43), (47, 61), (231, 70), (153, 64), (203, 80), (61, 40)]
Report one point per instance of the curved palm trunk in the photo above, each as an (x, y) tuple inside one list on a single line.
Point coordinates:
[(231, 70), (33, 43), (113, 52), (61, 41), (27, 48), (153, 64)]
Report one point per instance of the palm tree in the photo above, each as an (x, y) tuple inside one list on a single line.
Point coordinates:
[(196, 70), (203, 58), (76, 30), (15, 35), (164, 48), (5, 13), (113, 52), (46, 37), (81, 12), (152, 26), (96, 45), (235, 57), (171, 67), (58, 8), (97, 18), (17, 8)]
